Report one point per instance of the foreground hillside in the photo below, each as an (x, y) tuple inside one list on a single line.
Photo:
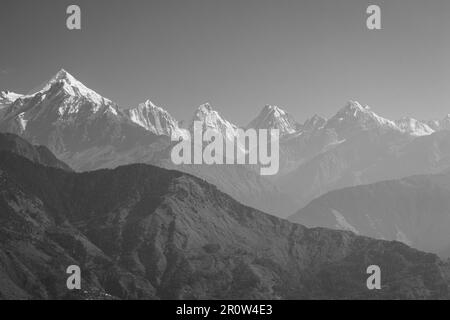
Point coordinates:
[(142, 232)]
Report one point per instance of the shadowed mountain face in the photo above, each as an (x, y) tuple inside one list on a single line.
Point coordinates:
[(38, 154), (142, 232), (413, 210)]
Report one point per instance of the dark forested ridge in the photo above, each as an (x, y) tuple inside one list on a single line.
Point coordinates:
[(142, 232)]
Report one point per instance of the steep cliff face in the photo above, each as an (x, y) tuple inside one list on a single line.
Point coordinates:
[(142, 232)]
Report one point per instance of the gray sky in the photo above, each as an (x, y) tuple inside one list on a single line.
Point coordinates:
[(306, 56)]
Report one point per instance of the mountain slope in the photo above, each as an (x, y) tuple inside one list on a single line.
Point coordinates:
[(212, 120), (6, 99), (414, 210), (273, 117), (74, 121), (39, 154), (243, 184), (142, 232), (155, 119)]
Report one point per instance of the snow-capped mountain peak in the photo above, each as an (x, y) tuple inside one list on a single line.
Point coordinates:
[(155, 119), (273, 117), (355, 116), (62, 101), (205, 108), (65, 81), (9, 96), (414, 127), (353, 108), (275, 110), (63, 75), (212, 119)]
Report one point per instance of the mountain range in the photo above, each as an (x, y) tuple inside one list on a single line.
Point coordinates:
[(143, 232), (90, 132), (353, 148)]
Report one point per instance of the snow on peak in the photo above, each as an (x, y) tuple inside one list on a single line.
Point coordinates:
[(413, 127), (211, 118), (155, 119), (8, 97), (73, 87), (62, 98), (353, 108), (63, 75), (273, 117), (149, 104), (275, 110), (354, 115), (205, 108)]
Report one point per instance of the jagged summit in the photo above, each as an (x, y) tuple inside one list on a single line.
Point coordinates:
[(273, 117), (353, 116), (274, 109), (63, 80), (353, 107), (205, 108), (155, 119), (212, 119), (7, 96), (5, 93), (150, 104), (62, 74), (414, 127), (66, 116)]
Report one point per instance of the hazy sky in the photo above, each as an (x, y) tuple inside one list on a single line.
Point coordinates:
[(307, 56)]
